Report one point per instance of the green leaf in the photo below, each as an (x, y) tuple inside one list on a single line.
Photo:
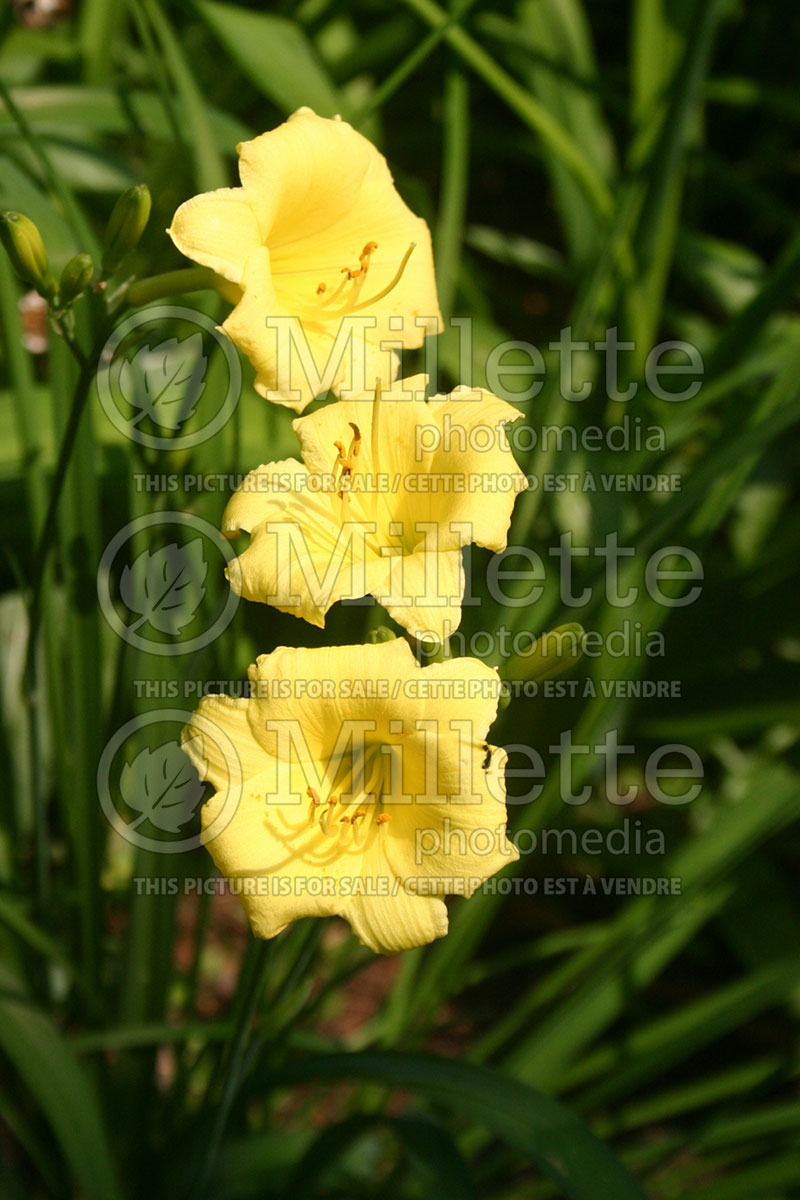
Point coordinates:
[(727, 273), (276, 57), (662, 1044), (210, 170), (770, 804), (753, 1182), (429, 1145), (19, 192), (558, 141), (62, 1090), (557, 30), (56, 108), (659, 152), (538, 1127), (522, 252)]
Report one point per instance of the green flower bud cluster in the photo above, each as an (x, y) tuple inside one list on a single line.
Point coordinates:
[(26, 251)]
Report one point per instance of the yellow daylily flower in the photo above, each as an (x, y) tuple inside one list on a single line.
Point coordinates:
[(389, 490), (369, 791), (322, 246)]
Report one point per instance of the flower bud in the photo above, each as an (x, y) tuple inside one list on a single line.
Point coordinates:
[(381, 634), (555, 652), (75, 278), (25, 248), (125, 226)]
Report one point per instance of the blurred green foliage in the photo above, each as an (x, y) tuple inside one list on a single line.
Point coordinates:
[(592, 165)]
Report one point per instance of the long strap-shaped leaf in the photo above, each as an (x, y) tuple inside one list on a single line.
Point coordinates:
[(46, 1063), (532, 1123)]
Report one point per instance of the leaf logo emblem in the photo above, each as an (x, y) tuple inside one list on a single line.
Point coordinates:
[(162, 786), (165, 382), (165, 587)]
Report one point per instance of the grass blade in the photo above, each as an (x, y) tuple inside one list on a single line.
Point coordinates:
[(533, 1124)]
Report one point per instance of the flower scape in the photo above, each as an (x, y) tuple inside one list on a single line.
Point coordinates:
[(376, 793)]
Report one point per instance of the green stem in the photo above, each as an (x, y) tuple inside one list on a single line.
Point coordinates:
[(61, 327), (79, 538), (80, 226), (157, 68), (452, 207), (97, 28), (209, 165), (534, 114), (409, 65), (141, 292), (23, 399), (252, 980), (171, 283), (47, 536)]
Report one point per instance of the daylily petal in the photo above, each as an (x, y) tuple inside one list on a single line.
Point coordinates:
[(460, 832), (453, 840), (457, 838), (211, 756), (479, 695), (267, 493), (322, 192), (217, 229), (423, 591), (390, 663), (324, 824), (399, 921), (286, 869), (388, 447), (299, 557), (473, 443), (320, 241), (288, 169), (301, 564), (416, 482), (270, 851), (296, 361)]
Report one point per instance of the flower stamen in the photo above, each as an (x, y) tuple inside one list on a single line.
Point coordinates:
[(315, 803), (365, 255), (392, 283), (328, 817), (346, 461), (333, 296), (356, 276), (376, 423)]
